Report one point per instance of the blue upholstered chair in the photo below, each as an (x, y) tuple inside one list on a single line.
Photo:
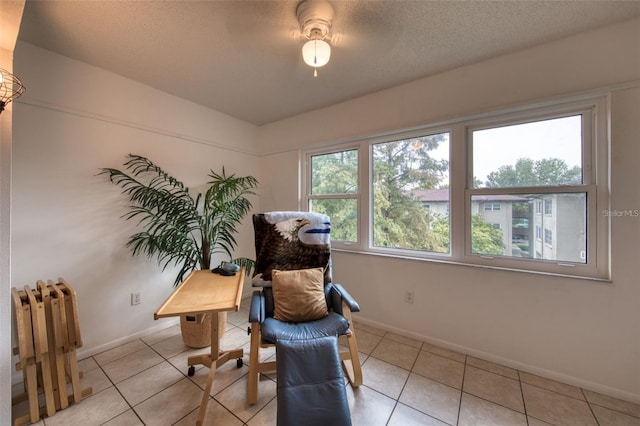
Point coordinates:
[(297, 300)]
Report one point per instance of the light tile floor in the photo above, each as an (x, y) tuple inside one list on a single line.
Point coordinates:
[(406, 382)]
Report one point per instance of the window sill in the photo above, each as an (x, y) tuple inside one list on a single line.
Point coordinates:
[(471, 265)]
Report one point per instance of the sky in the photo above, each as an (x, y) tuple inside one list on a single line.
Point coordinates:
[(558, 138)]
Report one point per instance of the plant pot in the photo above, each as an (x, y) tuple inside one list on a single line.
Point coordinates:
[(196, 329)]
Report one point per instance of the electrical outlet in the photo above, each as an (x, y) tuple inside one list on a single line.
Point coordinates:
[(136, 298), (408, 296)]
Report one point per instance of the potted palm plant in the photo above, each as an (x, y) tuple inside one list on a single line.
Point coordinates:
[(178, 229)]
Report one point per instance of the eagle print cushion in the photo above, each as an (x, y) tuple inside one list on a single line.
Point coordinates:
[(291, 241)]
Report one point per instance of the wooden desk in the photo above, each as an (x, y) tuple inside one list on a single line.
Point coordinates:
[(204, 292)]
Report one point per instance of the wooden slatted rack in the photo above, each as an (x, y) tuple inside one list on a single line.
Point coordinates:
[(48, 335)]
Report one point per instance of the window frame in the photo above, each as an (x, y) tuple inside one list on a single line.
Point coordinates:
[(357, 195), (595, 184), (369, 146), (548, 207), (548, 236)]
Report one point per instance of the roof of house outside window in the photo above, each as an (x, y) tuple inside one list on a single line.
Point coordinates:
[(442, 195)]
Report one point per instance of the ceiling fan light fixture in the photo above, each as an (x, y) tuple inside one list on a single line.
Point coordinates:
[(316, 53), (314, 17)]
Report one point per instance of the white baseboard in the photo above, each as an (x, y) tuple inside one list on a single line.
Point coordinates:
[(527, 368)]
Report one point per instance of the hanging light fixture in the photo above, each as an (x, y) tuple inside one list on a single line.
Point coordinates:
[(10, 88), (315, 18), (316, 52)]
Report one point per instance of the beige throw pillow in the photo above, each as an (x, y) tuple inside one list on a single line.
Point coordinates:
[(298, 295)]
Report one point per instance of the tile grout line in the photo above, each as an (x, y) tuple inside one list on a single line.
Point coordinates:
[(396, 400), (256, 413), (155, 393), (464, 373), (590, 407), (468, 393), (524, 403), (395, 405), (119, 393), (634, 416)]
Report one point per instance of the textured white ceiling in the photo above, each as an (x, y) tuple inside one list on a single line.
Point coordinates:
[(243, 57)]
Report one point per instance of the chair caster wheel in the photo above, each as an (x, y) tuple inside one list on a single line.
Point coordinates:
[(239, 363), (192, 371)]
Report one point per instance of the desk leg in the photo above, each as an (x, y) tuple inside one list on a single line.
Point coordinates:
[(213, 357), (214, 360)]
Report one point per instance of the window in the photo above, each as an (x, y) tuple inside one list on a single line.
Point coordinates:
[(515, 190), (406, 174), (548, 237), (516, 160), (334, 191), (538, 206), (548, 207), (520, 222)]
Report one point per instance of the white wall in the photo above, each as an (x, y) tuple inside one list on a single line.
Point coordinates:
[(73, 120), (581, 332)]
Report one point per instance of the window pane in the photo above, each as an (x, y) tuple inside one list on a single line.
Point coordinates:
[(334, 173), (541, 153), (343, 214), (528, 232), (410, 188)]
